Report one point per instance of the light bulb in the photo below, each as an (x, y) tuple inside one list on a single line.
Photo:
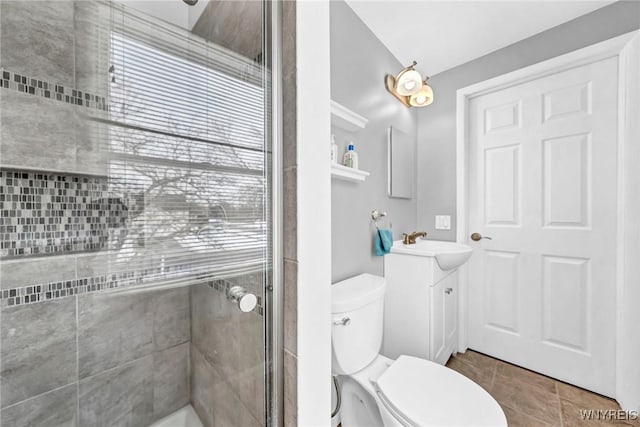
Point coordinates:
[(409, 85), (423, 97), (408, 82)]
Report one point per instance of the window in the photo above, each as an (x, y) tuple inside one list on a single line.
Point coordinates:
[(186, 143)]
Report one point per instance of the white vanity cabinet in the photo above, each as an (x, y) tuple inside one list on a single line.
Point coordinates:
[(443, 318), (421, 305)]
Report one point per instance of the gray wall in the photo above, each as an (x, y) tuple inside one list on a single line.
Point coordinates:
[(437, 123), (359, 62)]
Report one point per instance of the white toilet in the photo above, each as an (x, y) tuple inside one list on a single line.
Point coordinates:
[(377, 391)]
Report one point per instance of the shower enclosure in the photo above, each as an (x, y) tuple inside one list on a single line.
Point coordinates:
[(137, 213)]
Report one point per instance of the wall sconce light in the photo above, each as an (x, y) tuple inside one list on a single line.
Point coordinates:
[(409, 88)]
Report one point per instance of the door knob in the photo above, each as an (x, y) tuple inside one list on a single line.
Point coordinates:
[(246, 301), (477, 236), (448, 290)]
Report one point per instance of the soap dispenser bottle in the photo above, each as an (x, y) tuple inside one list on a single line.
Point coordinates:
[(350, 159), (334, 150)]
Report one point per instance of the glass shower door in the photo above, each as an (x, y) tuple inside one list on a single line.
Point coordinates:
[(136, 212)]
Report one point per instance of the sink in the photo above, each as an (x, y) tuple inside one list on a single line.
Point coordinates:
[(448, 255)]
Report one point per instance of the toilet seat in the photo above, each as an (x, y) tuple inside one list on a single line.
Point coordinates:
[(424, 393)]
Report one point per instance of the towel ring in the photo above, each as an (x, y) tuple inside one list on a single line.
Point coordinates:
[(376, 215)]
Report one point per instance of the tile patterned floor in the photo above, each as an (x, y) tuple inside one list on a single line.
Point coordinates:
[(530, 399)]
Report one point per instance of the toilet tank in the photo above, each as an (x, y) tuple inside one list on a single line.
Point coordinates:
[(357, 305)]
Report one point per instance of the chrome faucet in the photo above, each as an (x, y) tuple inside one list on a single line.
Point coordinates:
[(410, 239)]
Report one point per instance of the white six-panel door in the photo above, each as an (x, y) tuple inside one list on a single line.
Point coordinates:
[(542, 185)]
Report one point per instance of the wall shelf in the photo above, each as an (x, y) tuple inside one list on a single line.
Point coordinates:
[(348, 174), (346, 119)]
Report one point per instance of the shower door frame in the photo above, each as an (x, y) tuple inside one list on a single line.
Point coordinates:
[(273, 321), (273, 314)]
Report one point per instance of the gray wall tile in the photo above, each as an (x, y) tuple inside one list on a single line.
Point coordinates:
[(91, 32), (36, 132), (92, 264), (118, 397), (226, 406), (291, 305), (215, 331), (246, 419), (221, 19), (38, 348), (56, 408), (212, 396), (202, 380), (171, 318), (251, 363), (202, 317), (289, 54), (290, 214), (289, 125), (290, 389), (112, 330), (92, 154), (289, 115), (38, 44), (33, 271), (171, 389), (231, 344)]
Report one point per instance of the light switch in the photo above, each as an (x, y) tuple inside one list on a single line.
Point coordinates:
[(443, 222)]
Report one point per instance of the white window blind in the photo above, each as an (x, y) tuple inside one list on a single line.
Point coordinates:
[(187, 154)]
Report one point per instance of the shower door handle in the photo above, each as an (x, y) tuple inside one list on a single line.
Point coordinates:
[(246, 301)]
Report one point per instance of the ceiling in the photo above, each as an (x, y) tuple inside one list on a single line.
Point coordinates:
[(172, 11), (443, 34)]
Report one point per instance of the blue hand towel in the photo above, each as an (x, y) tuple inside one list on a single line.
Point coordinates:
[(384, 241)]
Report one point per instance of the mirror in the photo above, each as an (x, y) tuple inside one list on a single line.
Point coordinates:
[(400, 160)]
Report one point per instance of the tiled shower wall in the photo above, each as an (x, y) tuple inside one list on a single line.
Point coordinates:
[(69, 356), (91, 359), (227, 358), (63, 44)]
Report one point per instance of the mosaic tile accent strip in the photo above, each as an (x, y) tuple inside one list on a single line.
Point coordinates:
[(31, 86), (49, 213), (67, 288)]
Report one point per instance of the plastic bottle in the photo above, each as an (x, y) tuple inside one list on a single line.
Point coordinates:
[(334, 149), (350, 159)]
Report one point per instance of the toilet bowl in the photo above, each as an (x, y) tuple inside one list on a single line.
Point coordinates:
[(408, 391)]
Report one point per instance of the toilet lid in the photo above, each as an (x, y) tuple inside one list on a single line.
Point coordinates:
[(426, 394)]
